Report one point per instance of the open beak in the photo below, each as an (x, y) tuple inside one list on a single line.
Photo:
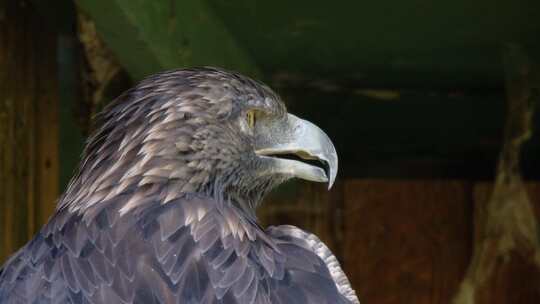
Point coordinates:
[(303, 151)]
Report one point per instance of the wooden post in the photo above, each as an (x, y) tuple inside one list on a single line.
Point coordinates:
[(28, 124)]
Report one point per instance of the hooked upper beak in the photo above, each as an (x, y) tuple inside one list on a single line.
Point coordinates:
[(314, 157)]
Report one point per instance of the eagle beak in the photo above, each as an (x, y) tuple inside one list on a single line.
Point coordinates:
[(303, 151)]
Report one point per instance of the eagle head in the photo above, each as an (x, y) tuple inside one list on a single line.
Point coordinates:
[(202, 130)]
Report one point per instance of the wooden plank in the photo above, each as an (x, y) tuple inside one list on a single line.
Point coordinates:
[(407, 241), (46, 99), (150, 36), (27, 137), (14, 150)]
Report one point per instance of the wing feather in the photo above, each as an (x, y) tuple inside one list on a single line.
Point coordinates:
[(313, 244), (186, 251)]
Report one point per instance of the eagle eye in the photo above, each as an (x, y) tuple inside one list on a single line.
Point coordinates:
[(251, 118)]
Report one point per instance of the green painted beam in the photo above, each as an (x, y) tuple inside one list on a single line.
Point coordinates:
[(151, 36), (414, 43)]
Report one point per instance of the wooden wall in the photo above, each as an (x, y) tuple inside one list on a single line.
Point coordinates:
[(28, 124), (405, 241)]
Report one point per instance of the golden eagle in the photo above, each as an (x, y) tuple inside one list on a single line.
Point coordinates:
[(162, 207)]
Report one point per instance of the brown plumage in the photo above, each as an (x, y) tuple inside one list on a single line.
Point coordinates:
[(162, 208)]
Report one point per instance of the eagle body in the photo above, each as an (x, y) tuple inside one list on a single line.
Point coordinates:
[(162, 208)]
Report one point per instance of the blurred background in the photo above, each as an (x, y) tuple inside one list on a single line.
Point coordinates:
[(430, 105)]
